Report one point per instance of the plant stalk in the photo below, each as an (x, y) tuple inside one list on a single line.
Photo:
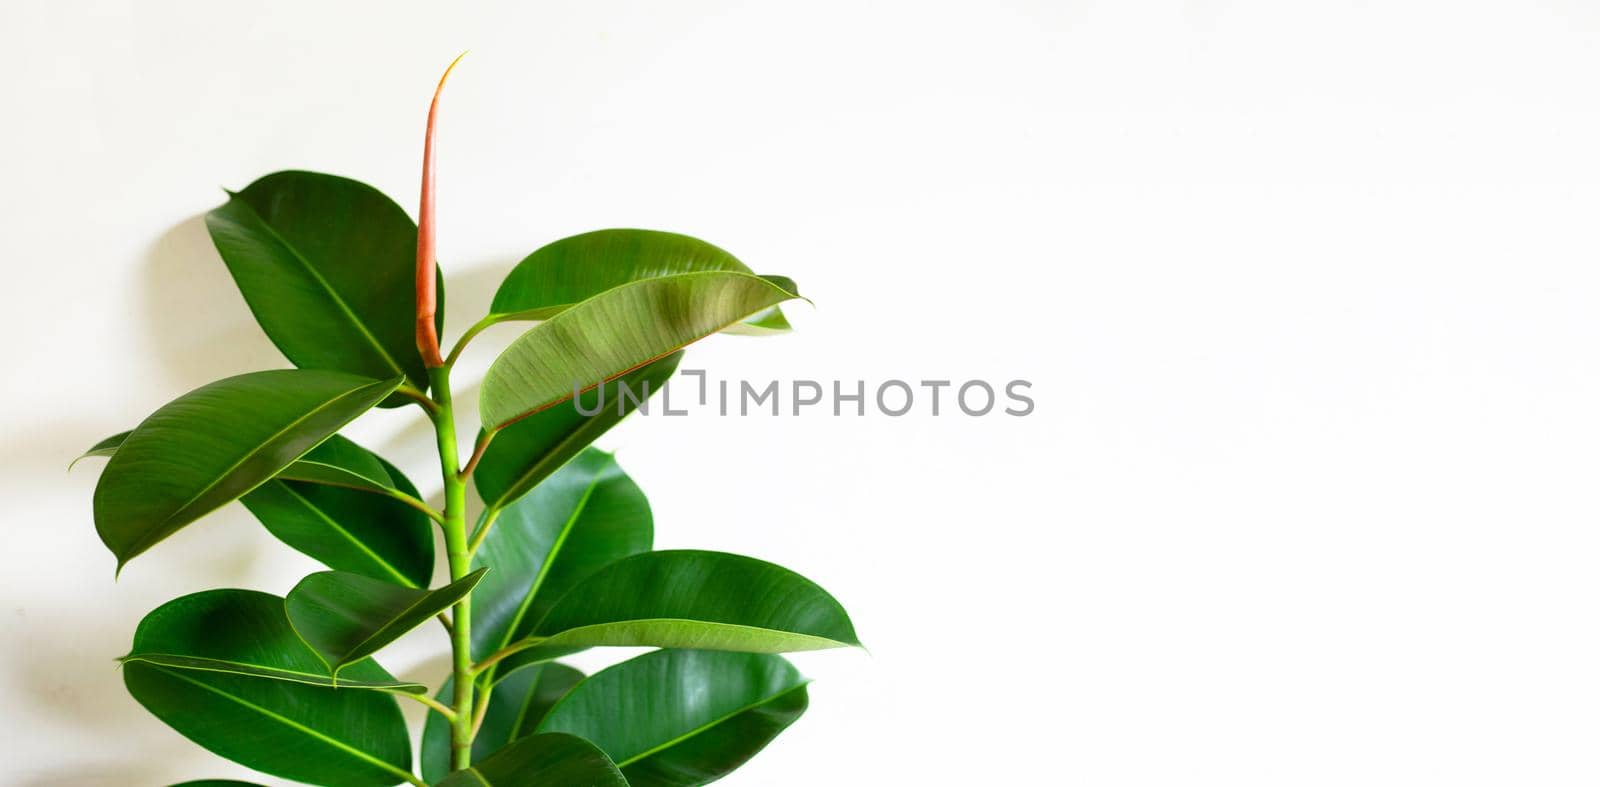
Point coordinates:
[(460, 558)]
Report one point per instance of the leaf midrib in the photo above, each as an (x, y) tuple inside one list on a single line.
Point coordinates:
[(259, 669)]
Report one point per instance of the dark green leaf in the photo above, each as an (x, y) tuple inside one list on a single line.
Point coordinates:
[(216, 443), (526, 452), (217, 783), (516, 707), (306, 733), (586, 515), (328, 267), (693, 715), (244, 632), (615, 332), (336, 462), (344, 527), (346, 617), (552, 759), (575, 269)]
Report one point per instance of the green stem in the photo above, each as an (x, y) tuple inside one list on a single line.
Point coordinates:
[(455, 540)]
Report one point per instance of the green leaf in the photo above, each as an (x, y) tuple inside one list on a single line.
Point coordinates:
[(217, 443), (691, 599), (516, 706), (575, 269), (346, 617), (244, 632), (336, 515), (553, 759), (346, 527), (586, 515), (526, 452), (694, 715), (336, 462), (306, 733), (341, 462), (105, 447), (328, 267), (615, 332)]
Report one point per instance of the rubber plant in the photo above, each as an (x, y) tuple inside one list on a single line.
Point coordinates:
[(559, 561)]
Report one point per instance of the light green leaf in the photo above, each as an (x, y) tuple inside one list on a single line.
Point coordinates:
[(526, 452), (690, 599), (586, 515), (328, 267), (516, 707), (615, 332), (217, 443), (346, 617), (553, 759), (575, 269), (693, 715)]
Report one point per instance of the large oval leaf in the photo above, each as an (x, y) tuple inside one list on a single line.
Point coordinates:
[(516, 706), (215, 444), (327, 265), (575, 269), (306, 733), (346, 617), (615, 332), (693, 715), (347, 527), (528, 451), (586, 515), (553, 759), (690, 599), (244, 632)]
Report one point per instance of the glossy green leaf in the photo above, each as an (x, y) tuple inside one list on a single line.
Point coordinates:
[(217, 783), (217, 443), (691, 599), (584, 516), (549, 759), (358, 530), (345, 527), (327, 265), (346, 617), (306, 733), (516, 707), (247, 633), (528, 451), (615, 332), (339, 461), (693, 715), (336, 462), (575, 269)]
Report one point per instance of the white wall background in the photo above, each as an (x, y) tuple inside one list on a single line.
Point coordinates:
[(1308, 293)]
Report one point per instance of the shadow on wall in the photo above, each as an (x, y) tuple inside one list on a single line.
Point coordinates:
[(201, 330)]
